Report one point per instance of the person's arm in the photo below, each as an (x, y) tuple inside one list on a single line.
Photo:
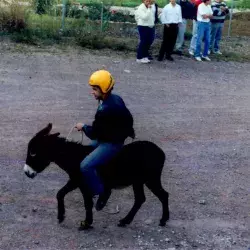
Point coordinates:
[(202, 11), (224, 9), (180, 15), (163, 16), (143, 12), (89, 132)]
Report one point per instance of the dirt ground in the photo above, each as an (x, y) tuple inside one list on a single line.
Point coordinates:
[(199, 113)]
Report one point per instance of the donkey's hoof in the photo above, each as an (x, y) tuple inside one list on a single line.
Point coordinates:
[(60, 219), (162, 223), (84, 226), (123, 223)]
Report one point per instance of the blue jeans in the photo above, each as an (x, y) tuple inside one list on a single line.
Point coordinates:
[(102, 154), (203, 32), (216, 32), (147, 36)]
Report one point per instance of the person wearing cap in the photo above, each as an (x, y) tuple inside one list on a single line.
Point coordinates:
[(113, 123)]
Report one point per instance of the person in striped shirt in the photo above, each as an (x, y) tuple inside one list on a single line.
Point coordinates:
[(220, 10)]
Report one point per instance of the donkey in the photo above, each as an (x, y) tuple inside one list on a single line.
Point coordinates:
[(138, 163)]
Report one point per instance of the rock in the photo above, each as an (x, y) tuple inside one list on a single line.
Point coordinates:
[(202, 202), (24, 216), (36, 242), (34, 209), (148, 221), (127, 71), (167, 240)]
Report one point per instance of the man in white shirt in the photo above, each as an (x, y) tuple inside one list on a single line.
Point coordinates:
[(171, 17), (204, 15)]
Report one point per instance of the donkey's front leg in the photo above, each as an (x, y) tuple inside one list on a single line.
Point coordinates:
[(70, 186), (88, 203)]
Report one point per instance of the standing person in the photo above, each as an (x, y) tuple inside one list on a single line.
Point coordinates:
[(154, 7), (145, 20), (196, 4), (187, 11), (112, 125), (171, 18), (220, 10), (204, 15)]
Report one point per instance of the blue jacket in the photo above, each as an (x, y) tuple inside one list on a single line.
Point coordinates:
[(188, 10), (113, 122)]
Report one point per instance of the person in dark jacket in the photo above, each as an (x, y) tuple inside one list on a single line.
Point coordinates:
[(220, 11), (188, 12), (112, 125)]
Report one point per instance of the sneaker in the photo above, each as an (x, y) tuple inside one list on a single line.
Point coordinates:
[(146, 59), (143, 60), (191, 52), (150, 58), (197, 58), (217, 52), (206, 58)]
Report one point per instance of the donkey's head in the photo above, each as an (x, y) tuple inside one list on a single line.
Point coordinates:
[(39, 154)]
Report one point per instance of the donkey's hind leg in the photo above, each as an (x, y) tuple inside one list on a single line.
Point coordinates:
[(157, 189), (139, 200)]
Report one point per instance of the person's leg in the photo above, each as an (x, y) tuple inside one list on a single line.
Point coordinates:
[(212, 38), (200, 35), (141, 47), (218, 37), (148, 40), (193, 41), (100, 156), (172, 40), (181, 34), (206, 39), (152, 38), (163, 44)]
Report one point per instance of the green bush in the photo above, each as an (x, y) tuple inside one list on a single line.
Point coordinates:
[(91, 38), (245, 4), (13, 17), (120, 17), (43, 6)]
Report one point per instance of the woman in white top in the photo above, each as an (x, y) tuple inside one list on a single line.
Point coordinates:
[(204, 14), (145, 20)]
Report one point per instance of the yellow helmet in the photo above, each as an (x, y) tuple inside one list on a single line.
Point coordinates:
[(102, 79)]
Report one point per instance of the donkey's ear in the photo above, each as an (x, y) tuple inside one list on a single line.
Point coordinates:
[(55, 135), (45, 131)]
